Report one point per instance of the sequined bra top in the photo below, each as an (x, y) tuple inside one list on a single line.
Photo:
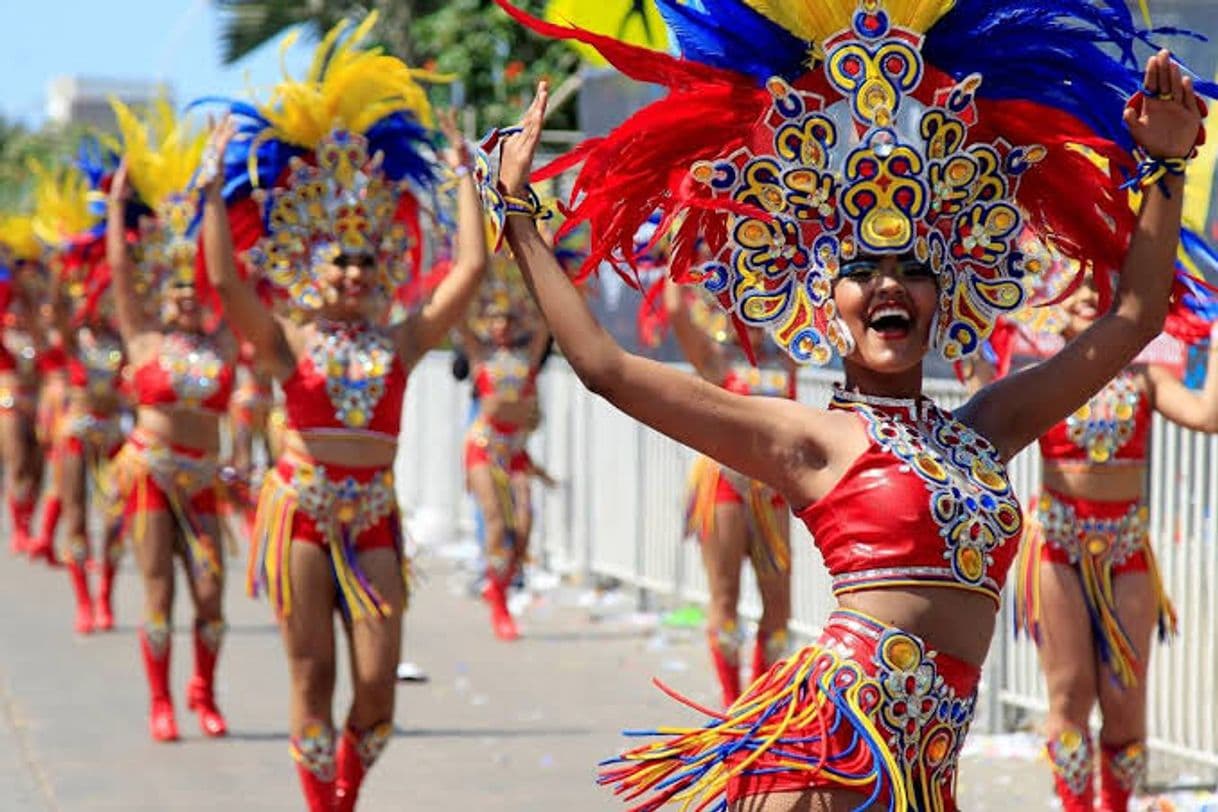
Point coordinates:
[(188, 371), (1112, 429), (769, 381), (348, 380), (506, 371), (98, 364), (927, 504)]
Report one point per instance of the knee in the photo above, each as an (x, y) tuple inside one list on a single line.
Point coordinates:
[(374, 697), (313, 678), (1070, 703)]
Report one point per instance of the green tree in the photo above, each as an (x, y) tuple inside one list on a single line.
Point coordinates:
[(18, 145), (497, 61)]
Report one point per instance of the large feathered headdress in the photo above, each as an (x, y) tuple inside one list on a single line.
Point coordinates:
[(162, 151), (796, 135), (332, 164)]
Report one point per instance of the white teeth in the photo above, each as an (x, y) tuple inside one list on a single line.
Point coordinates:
[(890, 310)]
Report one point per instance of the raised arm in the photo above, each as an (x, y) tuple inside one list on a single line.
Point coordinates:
[(127, 307), (696, 345), (242, 307), (427, 328), (1175, 401), (764, 438), (1016, 410)]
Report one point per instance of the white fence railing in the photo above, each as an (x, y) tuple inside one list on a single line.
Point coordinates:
[(618, 512)]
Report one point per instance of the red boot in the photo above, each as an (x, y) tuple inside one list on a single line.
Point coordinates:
[(1073, 760), (495, 594), (356, 754), (43, 547), (767, 650), (103, 611), (725, 655), (313, 752), (21, 512), (155, 643), (200, 693), (1122, 770), (84, 604)]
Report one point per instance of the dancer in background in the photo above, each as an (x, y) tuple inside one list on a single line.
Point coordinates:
[(19, 374), (735, 517), (1089, 589), (505, 342), (893, 188), (167, 472), (341, 235)]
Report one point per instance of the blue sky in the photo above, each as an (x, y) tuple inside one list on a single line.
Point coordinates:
[(176, 41)]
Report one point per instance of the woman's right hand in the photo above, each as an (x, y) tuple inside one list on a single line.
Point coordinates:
[(211, 165), (120, 190), (517, 150)]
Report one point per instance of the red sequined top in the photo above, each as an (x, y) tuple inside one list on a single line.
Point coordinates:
[(927, 504), (509, 372), (188, 371), (349, 379), (1112, 429)]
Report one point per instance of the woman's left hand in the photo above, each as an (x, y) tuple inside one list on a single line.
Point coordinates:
[(1166, 123), (457, 154)]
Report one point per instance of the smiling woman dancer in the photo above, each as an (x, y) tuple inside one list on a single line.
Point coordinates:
[(340, 236), (167, 472), (873, 211), (735, 517), (1089, 591)]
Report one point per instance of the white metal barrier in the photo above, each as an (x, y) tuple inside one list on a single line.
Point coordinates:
[(617, 512)]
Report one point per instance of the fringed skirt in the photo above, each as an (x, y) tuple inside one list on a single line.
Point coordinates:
[(869, 708), (344, 509), (153, 476), (1099, 540), (711, 484)]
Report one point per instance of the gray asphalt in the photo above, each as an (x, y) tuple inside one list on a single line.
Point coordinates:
[(498, 726)]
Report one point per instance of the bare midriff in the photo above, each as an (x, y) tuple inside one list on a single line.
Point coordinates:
[(183, 426), (956, 622), (346, 448), (1102, 483)]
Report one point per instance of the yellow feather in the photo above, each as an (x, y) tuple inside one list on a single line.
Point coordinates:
[(17, 235), (61, 203), (817, 21), (626, 20), (346, 86), (1199, 190), (162, 151)]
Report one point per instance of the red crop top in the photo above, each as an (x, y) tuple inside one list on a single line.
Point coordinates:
[(506, 371), (768, 381), (97, 365), (1112, 429), (927, 504), (188, 371), (349, 379)]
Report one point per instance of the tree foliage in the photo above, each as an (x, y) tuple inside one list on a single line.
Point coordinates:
[(497, 61)]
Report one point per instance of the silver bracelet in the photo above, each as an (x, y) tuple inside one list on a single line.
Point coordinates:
[(461, 170)]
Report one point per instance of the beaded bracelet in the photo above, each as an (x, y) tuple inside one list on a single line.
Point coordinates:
[(528, 206), (1152, 171)]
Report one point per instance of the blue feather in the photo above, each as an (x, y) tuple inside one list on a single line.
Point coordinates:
[(401, 139), (728, 34), (1077, 56)]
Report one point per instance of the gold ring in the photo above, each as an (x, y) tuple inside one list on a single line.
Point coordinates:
[(1165, 97)]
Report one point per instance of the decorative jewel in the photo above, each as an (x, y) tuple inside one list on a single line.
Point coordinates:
[(1114, 540), (1108, 421), (355, 361), (343, 503), (193, 366)]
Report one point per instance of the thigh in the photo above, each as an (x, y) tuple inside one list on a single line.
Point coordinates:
[(1067, 646), (308, 628), (207, 587), (522, 503), (723, 553), (376, 643), (1124, 709), (482, 486), (154, 550)]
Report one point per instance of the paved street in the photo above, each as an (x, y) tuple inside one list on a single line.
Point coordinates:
[(498, 727)]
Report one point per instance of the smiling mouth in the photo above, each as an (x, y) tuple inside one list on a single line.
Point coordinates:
[(891, 321)]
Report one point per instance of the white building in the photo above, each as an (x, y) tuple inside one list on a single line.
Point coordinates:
[(86, 99)]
